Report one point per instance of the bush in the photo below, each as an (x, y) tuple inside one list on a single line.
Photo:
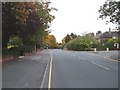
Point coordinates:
[(17, 51), (25, 49), (12, 51), (78, 46), (100, 47), (82, 43)]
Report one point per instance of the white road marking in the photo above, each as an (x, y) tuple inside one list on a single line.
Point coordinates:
[(103, 57), (111, 59), (83, 59), (100, 65), (94, 63)]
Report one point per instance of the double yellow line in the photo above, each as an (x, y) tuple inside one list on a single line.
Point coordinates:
[(50, 72)]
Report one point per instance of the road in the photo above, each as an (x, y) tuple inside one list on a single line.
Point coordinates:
[(72, 69), (62, 69)]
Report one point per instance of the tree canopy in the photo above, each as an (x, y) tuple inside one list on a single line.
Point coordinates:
[(68, 38), (51, 41), (111, 10), (82, 42), (28, 21)]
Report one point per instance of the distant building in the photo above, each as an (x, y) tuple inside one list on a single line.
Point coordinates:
[(98, 34), (109, 34)]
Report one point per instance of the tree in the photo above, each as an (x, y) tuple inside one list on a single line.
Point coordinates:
[(25, 19), (28, 21), (51, 41), (9, 26), (111, 9), (85, 42), (68, 38), (34, 19), (73, 35), (89, 39)]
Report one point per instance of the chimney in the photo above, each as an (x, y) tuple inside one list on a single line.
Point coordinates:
[(109, 30)]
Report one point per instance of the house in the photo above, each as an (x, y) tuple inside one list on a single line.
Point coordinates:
[(109, 34), (106, 35)]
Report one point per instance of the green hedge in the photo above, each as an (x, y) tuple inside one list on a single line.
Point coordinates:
[(17, 51), (86, 43), (77, 46)]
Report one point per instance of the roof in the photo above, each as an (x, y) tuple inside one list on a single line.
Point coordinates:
[(109, 34)]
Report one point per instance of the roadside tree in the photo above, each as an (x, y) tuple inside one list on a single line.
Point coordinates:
[(51, 41), (29, 21)]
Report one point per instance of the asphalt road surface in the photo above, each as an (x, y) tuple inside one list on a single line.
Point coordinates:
[(26, 72), (73, 69), (62, 69)]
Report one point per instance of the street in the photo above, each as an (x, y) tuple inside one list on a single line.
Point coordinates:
[(73, 69), (66, 69)]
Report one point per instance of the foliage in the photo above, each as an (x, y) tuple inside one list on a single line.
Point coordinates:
[(14, 41), (25, 49), (111, 9), (68, 38), (82, 42), (88, 42), (27, 21), (51, 41), (9, 26), (12, 51), (109, 43), (77, 45)]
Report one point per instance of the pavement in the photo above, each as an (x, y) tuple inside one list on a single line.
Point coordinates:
[(26, 72)]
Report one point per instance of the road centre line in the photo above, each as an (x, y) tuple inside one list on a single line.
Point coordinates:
[(50, 72), (43, 80), (84, 59), (94, 63), (100, 65)]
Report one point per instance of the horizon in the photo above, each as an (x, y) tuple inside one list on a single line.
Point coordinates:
[(82, 17), (87, 33)]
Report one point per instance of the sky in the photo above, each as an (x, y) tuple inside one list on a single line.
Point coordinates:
[(77, 16)]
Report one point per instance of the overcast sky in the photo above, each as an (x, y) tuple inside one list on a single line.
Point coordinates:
[(77, 16)]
